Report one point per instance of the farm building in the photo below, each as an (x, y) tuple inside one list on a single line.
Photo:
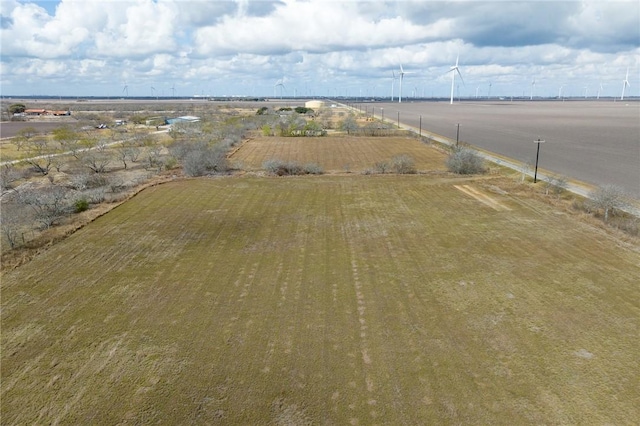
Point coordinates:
[(183, 119), (314, 104)]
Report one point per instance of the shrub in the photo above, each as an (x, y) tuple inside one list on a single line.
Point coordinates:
[(81, 204), (312, 169), (609, 199), (465, 161), (555, 184), (403, 164), (290, 168), (381, 167)]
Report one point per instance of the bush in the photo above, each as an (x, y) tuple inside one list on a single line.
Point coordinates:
[(403, 164), (81, 204), (205, 160), (465, 161), (290, 168), (609, 199), (381, 167), (555, 184), (312, 169)]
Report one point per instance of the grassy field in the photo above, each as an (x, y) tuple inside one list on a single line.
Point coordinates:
[(325, 300)]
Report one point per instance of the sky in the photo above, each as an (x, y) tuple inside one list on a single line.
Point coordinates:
[(311, 48)]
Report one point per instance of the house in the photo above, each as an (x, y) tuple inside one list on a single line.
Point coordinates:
[(35, 111)]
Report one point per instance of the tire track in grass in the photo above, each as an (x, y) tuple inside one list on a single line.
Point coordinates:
[(352, 231)]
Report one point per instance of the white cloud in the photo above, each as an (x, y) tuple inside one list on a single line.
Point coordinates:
[(247, 45)]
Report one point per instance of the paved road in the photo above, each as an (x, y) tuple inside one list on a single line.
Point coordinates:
[(597, 142)]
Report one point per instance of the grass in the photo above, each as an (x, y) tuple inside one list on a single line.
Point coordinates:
[(331, 299), (338, 153)]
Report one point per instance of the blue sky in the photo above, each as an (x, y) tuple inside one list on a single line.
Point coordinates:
[(318, 47)]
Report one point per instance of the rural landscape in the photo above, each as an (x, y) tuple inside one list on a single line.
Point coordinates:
[(295, 264)]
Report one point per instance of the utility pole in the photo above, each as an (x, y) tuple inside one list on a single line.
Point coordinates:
[(457, 133), (535, 174)]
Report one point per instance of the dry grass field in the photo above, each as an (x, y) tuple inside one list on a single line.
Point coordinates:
[(344, 299), (338, 153)]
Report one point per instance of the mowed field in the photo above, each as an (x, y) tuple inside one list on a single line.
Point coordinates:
[(339, 299), (339, 153)]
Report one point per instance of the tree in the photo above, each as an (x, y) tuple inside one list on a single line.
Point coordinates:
[(464, 161), (349, 124), (97, 158), (70, 140), (23, 136), (403, 164), (40, 155), (16, 109), (127, 153), (48, 204), (202, 159), (8, 175), (556, 184), (10, 226), (608, 198)]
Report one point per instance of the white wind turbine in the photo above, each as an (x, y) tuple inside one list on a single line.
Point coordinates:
[(625, 83), (402, 73), (533, 85), (280, 84), (453, 70), (393, 80), (599, 91)]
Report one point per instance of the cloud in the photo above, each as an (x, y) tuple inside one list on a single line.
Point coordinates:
[(246, 45)]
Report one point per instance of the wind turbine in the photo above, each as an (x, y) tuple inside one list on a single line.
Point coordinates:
[(402, 73), (173, 90), (489, 93), (153, 89), (560, 91), (279, 83), (599, 90), (625, 83), (586, 91), (533, 85), (393, 80), (125, 89), (453, 70)]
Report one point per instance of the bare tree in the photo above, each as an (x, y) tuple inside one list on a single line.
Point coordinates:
[(8, 175), (97, 158), (556, 184), (23, 136), (349, 124), (608, 198), (10, 225), (48, 204), (68, 138), (403, 164), (40, 155), (464, 161)]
